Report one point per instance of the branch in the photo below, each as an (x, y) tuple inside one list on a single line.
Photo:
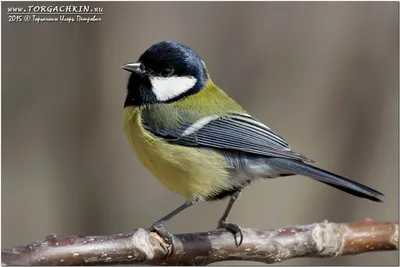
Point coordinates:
[(268, 246)]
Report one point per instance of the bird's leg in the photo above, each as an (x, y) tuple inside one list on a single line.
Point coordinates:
[(158, 226), (233, 227)]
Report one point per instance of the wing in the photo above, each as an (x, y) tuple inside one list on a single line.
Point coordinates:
[(239, 132)]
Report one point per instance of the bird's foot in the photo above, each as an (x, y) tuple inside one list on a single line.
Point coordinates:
[(161, 231), (234, 229)]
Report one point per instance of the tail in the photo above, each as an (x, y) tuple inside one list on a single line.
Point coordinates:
[(339, 182)]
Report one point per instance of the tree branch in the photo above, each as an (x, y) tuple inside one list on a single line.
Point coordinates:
[(268, 246)]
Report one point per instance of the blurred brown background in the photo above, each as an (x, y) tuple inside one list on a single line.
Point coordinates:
[(323, 75)]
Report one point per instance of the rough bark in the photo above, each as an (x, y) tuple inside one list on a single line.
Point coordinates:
[(269, 246)]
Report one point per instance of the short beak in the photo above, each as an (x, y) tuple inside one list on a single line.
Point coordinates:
[(133, 67)]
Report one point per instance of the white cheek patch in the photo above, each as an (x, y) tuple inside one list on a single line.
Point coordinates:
[(166, 88)]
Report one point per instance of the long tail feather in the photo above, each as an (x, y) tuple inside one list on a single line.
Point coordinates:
[(334, 180)]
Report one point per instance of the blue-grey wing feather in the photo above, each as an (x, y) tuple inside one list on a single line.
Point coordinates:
[(238, 132)]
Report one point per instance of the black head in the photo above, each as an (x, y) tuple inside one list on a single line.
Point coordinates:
[(166, 72)]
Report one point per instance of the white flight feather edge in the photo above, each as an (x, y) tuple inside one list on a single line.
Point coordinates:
[(166, 88), (270, 133), (251, 119), (199, 124), (196, 126)]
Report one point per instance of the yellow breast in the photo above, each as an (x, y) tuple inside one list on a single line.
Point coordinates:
[(188, 171)]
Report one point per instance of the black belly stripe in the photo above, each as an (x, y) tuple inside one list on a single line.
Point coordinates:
[(222, 194)]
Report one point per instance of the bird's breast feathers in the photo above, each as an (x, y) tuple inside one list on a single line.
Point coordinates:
[(188, 171)]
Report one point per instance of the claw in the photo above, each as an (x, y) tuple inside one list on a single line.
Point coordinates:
[(159, 229), (234, 229)]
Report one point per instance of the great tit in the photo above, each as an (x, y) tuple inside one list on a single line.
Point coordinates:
[(200, 143)]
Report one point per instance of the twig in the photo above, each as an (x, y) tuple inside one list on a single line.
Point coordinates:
[(268, 246)]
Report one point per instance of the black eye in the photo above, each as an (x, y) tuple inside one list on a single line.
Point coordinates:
[(166, 72), (142, 68)]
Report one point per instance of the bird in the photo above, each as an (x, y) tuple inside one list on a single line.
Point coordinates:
[(199, 142)]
